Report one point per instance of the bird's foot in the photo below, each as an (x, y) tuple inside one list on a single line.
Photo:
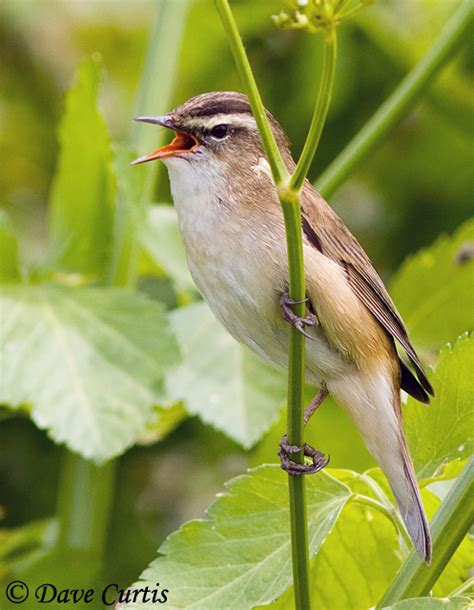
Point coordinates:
[(289, 315), (293, 468)]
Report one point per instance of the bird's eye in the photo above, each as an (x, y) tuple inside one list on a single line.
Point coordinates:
[(220, 131)]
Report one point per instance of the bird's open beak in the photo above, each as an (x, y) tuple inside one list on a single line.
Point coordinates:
[(182, 143)]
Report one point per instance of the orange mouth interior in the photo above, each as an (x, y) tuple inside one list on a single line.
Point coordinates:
[(182, 143)]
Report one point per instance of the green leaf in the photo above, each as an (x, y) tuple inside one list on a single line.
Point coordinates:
[(221, 381), (18, 545), (240, 555), (164, 421), (430, 603), (442, 431), (9, 264), (433, 289), (342, 573), (161, 239), (89, 362), (128, 220), (362, 538), (81, 202)]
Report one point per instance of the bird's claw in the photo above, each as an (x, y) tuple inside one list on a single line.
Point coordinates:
[(298, 322), (293, 468)]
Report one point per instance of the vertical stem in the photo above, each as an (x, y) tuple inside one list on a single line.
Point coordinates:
[(135, 189), (279, 171), (84, 502), (288, 193), (320, 112), (295, 409), (395, 106), (158, 80), (448, 528)]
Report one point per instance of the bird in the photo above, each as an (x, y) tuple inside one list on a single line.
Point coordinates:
[(233, 231)]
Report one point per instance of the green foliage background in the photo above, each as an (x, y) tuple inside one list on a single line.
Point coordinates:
[(151, 371)]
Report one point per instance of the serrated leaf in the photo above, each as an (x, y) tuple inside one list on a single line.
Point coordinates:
[(342, 573), (433, 289), (442, 431), (9, 264), (90, 362), (240, 555), (221, 381), (161, 239), (430, 603), (81, 201)]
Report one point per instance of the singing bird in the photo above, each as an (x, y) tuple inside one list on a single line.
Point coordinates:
[(234, 235)]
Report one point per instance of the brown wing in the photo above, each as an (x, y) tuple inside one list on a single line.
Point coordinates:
[(326, 232)]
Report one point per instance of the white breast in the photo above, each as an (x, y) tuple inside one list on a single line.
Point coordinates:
[(238, 274)]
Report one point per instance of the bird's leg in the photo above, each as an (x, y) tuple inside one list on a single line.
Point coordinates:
[(285, 449), (289, 315), (314, 404)]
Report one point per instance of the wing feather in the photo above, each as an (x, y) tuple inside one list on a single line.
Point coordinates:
[(325, 231)]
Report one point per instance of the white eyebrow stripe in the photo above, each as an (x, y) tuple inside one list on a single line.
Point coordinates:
[(236, 120)]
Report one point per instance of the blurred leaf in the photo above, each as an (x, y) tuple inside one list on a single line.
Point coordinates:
[(9, 264), (81, 202), (240, 555), (90, 362), (442, 431), (128, 219), (221, 381), (19, 544), (430, 603), (433, 289), (165, 420), (161, 239)]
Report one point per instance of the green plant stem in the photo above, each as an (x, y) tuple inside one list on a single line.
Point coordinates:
[(84, 502), (320, 112), (154, 98), (279, 170), (399, 102), (288, 188), (155, 94), (448, 528), (295, 409), (466, 586)]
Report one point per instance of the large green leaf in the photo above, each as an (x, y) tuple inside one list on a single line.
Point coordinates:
[(434, 289), (9, 264), (221, 381), (430, 603), (81, 202), (89, 363), (443, 430), (161, 239), (361, 539), (240, 555)]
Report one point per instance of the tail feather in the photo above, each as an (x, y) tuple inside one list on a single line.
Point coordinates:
[(412, 511), (374, 406)]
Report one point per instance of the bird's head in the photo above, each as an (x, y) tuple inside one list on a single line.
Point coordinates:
[(216, 128)]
